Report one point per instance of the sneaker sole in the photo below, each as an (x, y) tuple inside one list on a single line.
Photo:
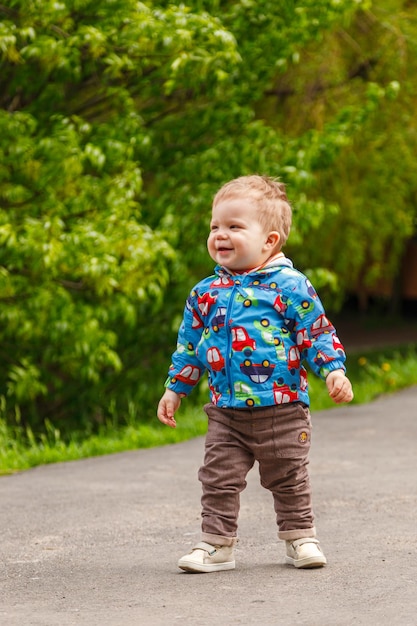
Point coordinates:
[(205, 568), (307, 563)]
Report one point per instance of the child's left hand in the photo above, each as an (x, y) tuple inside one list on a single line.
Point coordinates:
[(339, 386)]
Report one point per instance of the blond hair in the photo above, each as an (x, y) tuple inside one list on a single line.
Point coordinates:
[(269, 197)]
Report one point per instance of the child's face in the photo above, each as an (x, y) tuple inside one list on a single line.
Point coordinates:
[(237, 240)]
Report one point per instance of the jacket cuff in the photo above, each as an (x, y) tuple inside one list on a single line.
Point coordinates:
[(182, 389), (331, 367)]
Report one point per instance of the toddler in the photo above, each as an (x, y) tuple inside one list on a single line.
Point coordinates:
[(251, 326)]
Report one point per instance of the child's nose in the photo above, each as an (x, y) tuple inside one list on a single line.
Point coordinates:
[(221, 234)]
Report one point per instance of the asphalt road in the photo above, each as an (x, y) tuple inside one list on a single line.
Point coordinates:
[(96, 542)]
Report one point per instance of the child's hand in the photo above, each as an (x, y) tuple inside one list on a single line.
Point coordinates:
[(167, 406), (339, 386)]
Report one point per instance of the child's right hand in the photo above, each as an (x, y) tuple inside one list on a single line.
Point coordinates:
[(168, 404)]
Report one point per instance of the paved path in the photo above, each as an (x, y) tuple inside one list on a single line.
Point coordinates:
[(96, 542)]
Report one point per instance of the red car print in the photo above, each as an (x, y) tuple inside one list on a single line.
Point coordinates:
[(303, 340), (241, 340), (284, 393), (197, 323), (320, 326), (281, 304), (303, 379), (294, 358), (338, 346), (215, 395), (206, 302), (223, 282), (215, 359), (190, 374)]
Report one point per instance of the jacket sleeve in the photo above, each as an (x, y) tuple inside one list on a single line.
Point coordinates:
[(313, 332), (186, 369)]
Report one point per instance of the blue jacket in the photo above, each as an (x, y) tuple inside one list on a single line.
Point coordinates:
[(252, 332)]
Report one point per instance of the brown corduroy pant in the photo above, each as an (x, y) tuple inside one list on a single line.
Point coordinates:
[(278, 437)]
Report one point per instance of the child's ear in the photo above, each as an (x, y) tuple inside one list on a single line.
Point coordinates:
[(272, 240)]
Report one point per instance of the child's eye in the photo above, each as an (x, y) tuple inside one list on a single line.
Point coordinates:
[(213, 227)]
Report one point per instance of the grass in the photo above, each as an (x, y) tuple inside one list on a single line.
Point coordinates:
[(373, 373)]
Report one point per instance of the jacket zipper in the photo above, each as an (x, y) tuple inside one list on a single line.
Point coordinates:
[(228, 362)]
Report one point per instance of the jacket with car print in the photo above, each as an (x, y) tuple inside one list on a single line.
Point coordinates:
[(252, 332)]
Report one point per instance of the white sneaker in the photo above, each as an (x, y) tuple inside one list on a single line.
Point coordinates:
[(207, 558), (305, 553)]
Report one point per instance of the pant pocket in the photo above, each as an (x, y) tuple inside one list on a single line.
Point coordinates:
[(292, 432)]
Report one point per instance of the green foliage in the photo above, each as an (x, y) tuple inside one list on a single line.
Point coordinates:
[(80, 271), (370, 178), (77, 266), (120, 119), (232, 133)]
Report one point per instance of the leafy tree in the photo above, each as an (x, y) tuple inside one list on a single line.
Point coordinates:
[(235, 133), (82, 275), (371, 180), (119, 120)]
